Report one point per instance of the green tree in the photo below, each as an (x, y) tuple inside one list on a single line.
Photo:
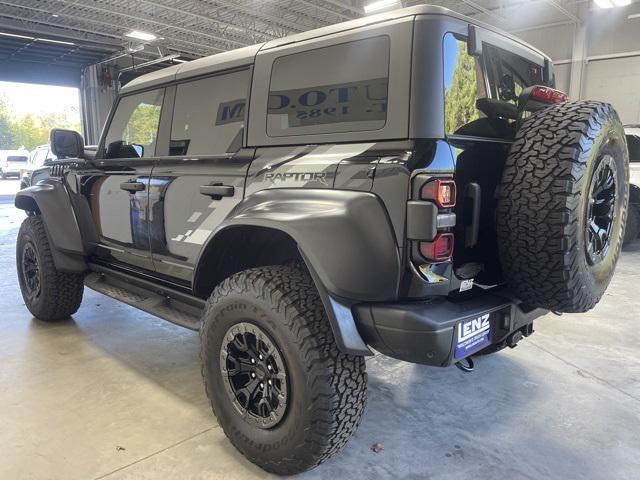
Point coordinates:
[(6, 131), (460, 98), (142, 127), (29, 132)]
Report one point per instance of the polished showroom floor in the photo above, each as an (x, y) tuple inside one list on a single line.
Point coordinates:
[(115, 393)]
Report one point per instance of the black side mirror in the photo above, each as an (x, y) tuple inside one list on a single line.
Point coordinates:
[(66, 144)]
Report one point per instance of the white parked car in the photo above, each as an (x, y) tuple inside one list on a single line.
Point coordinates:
[(13, 162), (633, 142)]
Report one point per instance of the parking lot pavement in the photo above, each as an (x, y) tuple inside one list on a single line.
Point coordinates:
[(115, 393)]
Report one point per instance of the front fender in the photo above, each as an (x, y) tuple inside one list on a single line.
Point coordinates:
[(51, 199), (346, 236)]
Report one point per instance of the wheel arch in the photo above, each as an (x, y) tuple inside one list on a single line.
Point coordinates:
[(50, 200), (344, 238)]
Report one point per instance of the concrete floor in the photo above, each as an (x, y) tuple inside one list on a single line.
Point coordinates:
[(115, 393)]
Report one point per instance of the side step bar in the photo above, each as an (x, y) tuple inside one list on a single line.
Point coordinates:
[(168, 304)]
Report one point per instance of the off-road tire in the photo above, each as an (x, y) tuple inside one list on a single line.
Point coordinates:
[(327, 389), (60, 293), (543, 205), (632, 229)]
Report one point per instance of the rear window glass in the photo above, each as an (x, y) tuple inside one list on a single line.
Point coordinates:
[(341, 88), (509, 73), (17, 159)]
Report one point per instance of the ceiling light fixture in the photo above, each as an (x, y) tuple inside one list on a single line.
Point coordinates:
[(15, 35), (144, 36), (48, 40), (380, 5), (635, 15), (612, 3), (34, 39)]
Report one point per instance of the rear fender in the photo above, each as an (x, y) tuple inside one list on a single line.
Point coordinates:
[(346, 236), (345, 239)]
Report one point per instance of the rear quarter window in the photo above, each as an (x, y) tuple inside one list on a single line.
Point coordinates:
[(19, 159), (340, 88)]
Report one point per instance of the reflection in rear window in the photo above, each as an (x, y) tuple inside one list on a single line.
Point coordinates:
[(17, 159)]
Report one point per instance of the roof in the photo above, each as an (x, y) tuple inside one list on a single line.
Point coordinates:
[(246, 55)]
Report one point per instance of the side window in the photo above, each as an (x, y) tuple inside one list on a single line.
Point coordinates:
[(134, 127), (208, 116), (341, 88), (463, 85)]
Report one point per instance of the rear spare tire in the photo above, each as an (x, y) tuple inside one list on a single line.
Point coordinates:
[(563, 204)]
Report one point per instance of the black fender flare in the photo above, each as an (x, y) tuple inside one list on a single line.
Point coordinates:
[(346, 239), (51, 200)]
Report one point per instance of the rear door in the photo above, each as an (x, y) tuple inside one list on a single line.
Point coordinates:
[(196, 185), (118, 188)]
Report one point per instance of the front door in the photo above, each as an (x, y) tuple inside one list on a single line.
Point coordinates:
[(194, 188), (117, 189)]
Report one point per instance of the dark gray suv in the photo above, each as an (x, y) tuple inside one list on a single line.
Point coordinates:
[(408, 182)]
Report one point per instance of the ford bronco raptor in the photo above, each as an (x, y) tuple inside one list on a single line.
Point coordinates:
[(409, 183)]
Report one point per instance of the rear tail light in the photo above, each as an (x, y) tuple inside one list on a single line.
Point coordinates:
[(440, 249), (443, 192), (548, 95)]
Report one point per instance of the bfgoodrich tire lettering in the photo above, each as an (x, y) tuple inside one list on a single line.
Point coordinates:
[(544, 206), (326, 390), (55, 295)]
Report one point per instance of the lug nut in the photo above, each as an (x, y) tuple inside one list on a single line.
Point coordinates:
[(269, 382), (269, 367), (253, 360), (260, 356), (262, 385), (253, 375)]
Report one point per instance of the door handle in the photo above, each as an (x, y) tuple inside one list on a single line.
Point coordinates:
[(132, 186), (217, 191)]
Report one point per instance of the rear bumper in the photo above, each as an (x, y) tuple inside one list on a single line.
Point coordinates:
[(441, 332)]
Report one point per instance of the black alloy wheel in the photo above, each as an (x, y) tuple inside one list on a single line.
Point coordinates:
[(31, 270), (600, 213), (255, 373)]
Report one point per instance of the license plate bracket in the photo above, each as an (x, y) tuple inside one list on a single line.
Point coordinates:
[(473, 334)]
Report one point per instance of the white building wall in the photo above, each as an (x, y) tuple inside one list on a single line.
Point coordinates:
[(607, 77)]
